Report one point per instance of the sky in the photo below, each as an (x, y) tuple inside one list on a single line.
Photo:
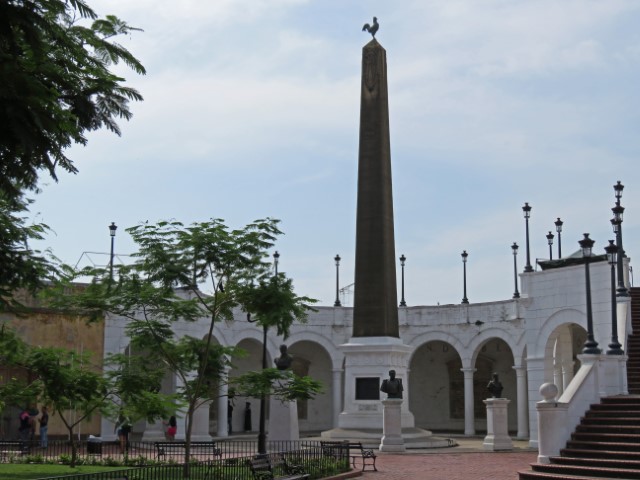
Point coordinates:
[(251, 110)]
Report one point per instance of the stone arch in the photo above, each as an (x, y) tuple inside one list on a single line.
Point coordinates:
[(560, 317), (419, 340), (335, 355), (252, 344), (312, 359), (436, 385)]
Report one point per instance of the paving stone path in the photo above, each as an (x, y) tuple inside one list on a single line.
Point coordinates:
[(452, 466)]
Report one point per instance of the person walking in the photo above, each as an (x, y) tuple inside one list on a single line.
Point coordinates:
[(44, 427), (172, 428)]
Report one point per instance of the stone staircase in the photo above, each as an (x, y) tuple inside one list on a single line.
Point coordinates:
[(633, 344), (606, 445)]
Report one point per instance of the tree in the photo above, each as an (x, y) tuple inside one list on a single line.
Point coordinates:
[(22, 267), (164, 286), (66, 381), (56, 85)]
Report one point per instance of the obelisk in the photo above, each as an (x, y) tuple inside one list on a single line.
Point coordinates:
[(375, 305), (375, 346)]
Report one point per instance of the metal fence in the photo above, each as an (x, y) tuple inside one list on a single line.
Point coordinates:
[(144, 450), (312, 459)]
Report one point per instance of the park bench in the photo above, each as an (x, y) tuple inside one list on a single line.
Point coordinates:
[(355, 450), (266, 467), (198, 449), (10, 448)]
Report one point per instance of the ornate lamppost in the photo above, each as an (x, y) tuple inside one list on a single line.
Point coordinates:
[(464, 255), (614, 347), (112, 232), (550, 242), (558, 224), (402, 260), (514, 248), (616, 222), (590, 346), (527, 213), (337, 302)]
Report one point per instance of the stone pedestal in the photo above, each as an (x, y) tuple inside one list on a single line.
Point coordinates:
[(497, 427), (392, 440), (283, 420), (200, 429), (370, 359), (154, 432)]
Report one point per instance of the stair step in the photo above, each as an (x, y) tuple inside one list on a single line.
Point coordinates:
[(606, 437), (599, 472), (597, 462), (611, 421), (612, 446), (632, 414), (531, 475), (608, 429), (616, 407), (590, 453)]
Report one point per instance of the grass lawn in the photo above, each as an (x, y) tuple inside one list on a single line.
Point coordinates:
[(20, 471)]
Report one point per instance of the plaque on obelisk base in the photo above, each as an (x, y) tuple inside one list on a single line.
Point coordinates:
[(392, 440), (497, 426)]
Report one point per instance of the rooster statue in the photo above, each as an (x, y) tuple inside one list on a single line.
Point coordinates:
[(372, 29)]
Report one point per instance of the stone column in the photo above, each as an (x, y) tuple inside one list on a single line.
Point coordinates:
[(469, 416), (392, 440), (222, 429), (535, 378), (567, 372), (557, 375), (523, 411), (337, 395), (497, 425), (200, 429)]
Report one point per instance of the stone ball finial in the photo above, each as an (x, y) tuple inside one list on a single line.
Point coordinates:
[(549, 392)]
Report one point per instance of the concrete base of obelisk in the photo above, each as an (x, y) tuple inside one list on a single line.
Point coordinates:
[(283, 420), (367, 361), (497, 427), (392, 440)]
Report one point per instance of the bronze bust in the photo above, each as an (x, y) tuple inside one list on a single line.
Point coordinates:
[(392, 386), (495, 387), (283, 362)]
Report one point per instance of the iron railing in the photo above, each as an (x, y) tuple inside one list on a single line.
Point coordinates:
[(311, 458)]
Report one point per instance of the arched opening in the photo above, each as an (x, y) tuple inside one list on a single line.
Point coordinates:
[(494, 356), (561, 354), (437, 387), (310, 358)]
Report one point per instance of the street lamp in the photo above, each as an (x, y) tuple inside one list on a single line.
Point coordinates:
[(464, 255), (337, 302), (402, 260), (617, 188), (590, 346), (550, 242), (514, 248), (558, 224), (616, 222), (527, 213), (112, 233), (614, 347)]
